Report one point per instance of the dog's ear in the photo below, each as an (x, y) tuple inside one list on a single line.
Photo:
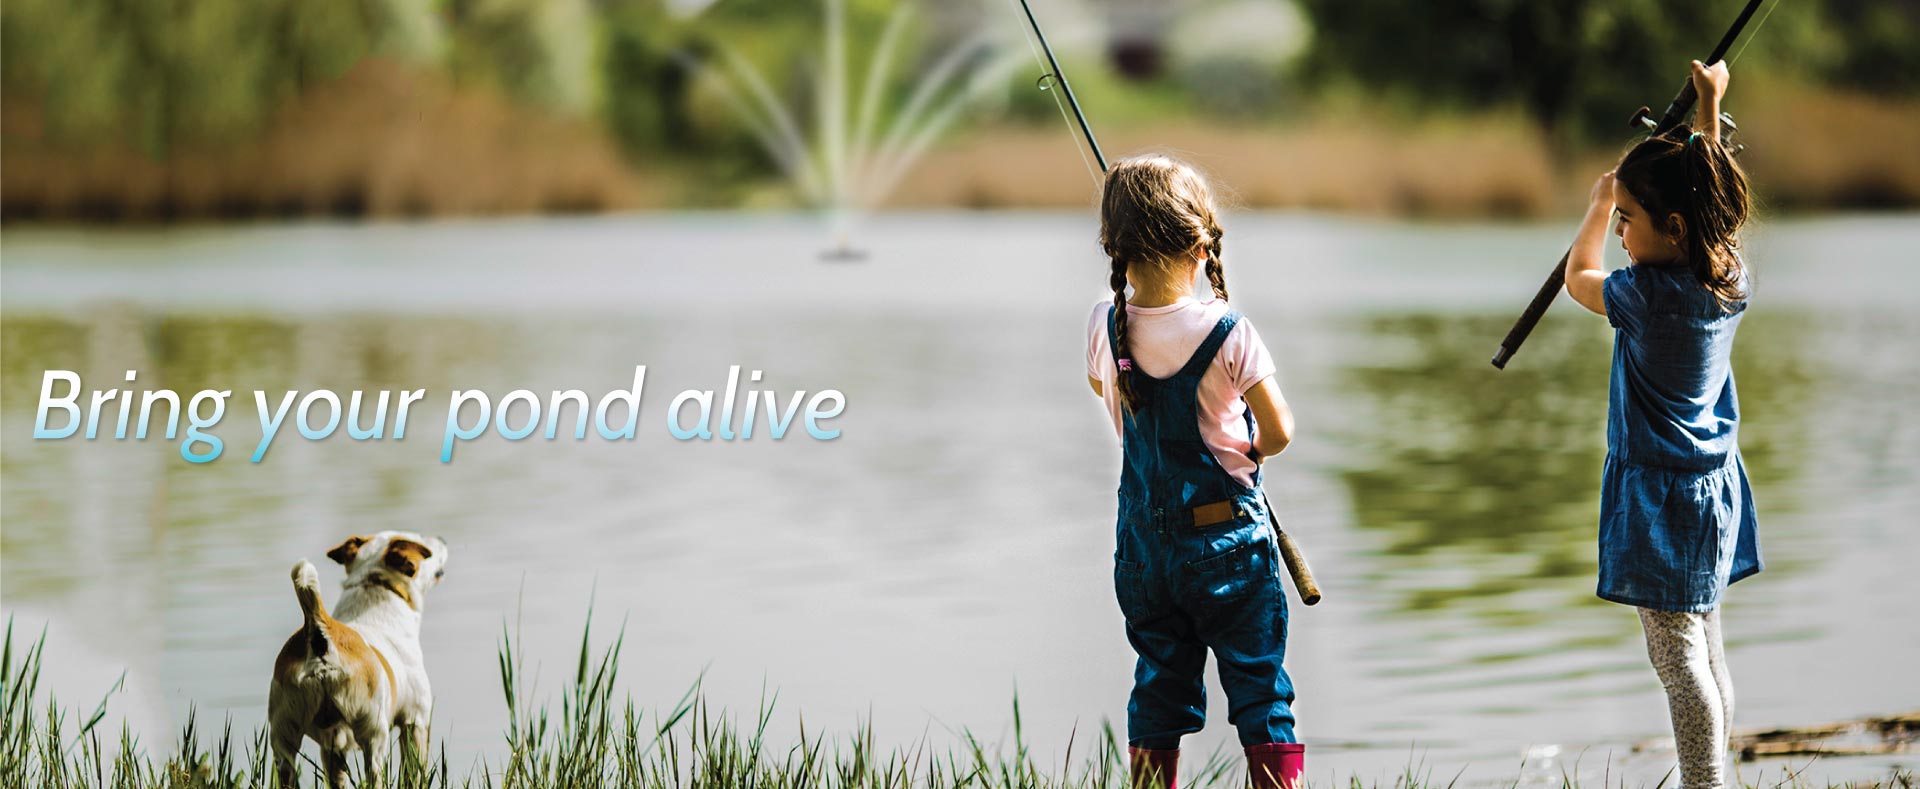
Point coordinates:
[(344, 552), (404, 556)]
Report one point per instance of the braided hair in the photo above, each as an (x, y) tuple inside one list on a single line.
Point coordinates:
[(1696, 177), (1153, 211)]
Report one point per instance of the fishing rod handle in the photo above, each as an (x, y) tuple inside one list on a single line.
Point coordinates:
[(1295, 559), (1676, 113), (1538, 307), (1297, 566)]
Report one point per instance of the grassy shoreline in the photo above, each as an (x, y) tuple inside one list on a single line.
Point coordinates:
[(596, 740)]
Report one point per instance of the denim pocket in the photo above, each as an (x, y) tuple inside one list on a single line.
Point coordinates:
[(1130, 588), (1229, 576)]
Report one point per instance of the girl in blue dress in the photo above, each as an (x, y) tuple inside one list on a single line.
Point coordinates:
[(1676, 512)]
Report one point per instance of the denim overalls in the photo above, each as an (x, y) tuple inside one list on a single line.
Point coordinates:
[(1185, 589)]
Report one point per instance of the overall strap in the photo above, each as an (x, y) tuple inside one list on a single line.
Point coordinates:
[(1203, 355)]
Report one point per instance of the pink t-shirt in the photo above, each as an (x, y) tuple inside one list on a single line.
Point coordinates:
[(1161, 340)]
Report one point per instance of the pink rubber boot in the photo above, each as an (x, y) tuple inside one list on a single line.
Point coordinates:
[(1154, 769), (1276, 765)]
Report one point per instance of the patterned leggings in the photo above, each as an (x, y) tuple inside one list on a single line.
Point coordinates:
[(1686, 653)]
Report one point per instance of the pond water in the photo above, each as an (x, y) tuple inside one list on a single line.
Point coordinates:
[(953, 547)]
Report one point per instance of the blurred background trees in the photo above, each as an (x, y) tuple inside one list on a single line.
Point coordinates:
[(164, 109), (1585, 64)]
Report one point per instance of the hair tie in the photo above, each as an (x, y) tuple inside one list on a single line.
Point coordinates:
[(1125, 364), (1692, 137)]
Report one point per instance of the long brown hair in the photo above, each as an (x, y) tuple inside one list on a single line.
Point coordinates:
[(1695, 176), (1153, 211)]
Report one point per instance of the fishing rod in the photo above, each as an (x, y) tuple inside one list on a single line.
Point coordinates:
[(1675, 114), (1058, 76), (1290, 552)]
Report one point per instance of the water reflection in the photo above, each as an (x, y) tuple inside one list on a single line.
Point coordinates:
[(1490, 477), (1481, 489)]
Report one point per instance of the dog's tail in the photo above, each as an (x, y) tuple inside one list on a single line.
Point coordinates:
[(306, 586)]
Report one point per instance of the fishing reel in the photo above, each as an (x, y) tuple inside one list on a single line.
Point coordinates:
[(1729, 132)]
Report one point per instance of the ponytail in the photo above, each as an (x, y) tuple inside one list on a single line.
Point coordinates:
[(1695, 176), (1719, 196)]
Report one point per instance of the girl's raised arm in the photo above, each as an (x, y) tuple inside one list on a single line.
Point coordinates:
[(1709, 83), (1584, 273)]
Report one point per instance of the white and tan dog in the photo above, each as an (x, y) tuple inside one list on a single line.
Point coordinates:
[(347, 679)]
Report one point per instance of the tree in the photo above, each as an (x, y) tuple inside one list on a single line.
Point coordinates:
[(1577, 66)]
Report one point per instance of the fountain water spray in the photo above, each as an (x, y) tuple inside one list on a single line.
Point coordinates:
[(851, 164)]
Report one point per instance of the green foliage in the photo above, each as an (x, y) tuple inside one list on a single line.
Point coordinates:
[(163, 76), (97, 69), (153, 74), (539, 51), (1578, 65), (596, 741), (1881, 49), (1114, 100), (646, 87), (1555, 59)]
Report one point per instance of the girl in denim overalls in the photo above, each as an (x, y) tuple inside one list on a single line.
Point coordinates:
[(1191, 391), (1676, 513)]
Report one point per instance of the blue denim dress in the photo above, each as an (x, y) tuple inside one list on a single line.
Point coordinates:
[(1676, 512), (1185, 589)]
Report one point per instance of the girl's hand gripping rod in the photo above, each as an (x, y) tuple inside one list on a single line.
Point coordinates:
[(1289, 551), (1676, 114)]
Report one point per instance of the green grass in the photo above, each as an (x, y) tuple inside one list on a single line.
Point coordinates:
[(595, 740)]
